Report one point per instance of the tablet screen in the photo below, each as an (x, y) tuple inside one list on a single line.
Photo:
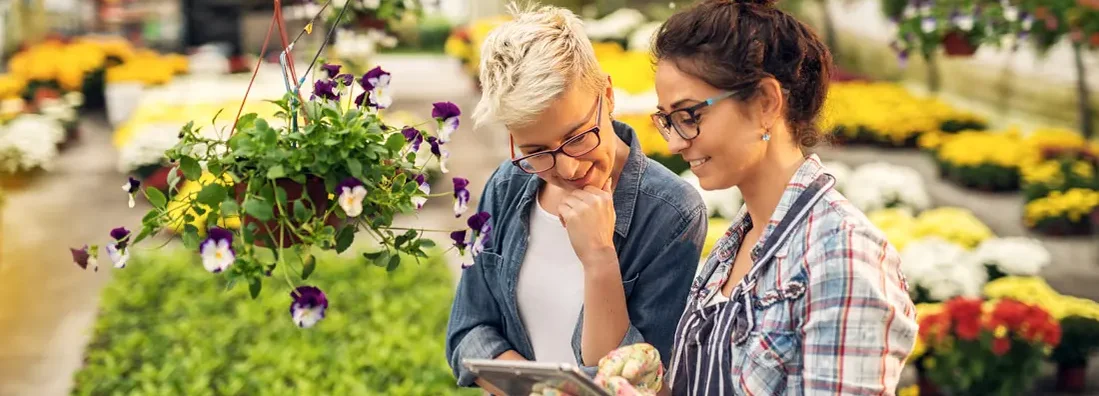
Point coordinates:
[(522, 381)]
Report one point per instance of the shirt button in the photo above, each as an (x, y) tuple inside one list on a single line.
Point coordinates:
[(755, 252)]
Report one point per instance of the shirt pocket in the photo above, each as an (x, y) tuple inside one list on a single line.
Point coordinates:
[(628, 285), (770, 357), (492, 267)]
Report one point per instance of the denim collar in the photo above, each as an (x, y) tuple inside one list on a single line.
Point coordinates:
[(625, 192)]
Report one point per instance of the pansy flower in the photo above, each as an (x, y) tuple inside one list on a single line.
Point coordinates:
[(217, 250), (86, 256), (131, 188), (325, 89), (331, 70), (118, 250), (376, 84), (351, 193), (446, 114), (345, 79), (425, 188), (480, 228), (439, 151), (308, 306), (461, 196), (413, 137)]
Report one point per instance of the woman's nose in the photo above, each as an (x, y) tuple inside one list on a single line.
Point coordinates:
[(566, 166), (677, 144)]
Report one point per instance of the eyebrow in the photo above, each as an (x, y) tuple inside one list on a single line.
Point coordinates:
[(679, 104)]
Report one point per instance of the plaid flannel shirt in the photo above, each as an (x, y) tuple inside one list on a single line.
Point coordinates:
[(830, 311)]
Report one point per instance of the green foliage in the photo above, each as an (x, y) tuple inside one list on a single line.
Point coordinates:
[(1079, 340), (163, 329)]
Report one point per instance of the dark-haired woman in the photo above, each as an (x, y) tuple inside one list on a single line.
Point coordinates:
[(803, 295)]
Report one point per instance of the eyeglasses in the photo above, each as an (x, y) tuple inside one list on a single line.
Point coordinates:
[(575, 146), (685, 121)]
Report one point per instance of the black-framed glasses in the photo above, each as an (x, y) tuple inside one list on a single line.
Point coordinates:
[(575, 146), (685, 121)]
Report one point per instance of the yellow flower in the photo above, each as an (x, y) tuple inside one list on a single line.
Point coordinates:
[(887, 110), (896, 223), (183, 198), (458, 48), (911, 390), (1073, 205), (652, 142), (714, 231), (953, 224), (11, 86), (974, 148), (1044, 173), (1054, 138), (1035, 290)]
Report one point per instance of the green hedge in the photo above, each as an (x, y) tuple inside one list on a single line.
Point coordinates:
[(166, 326)]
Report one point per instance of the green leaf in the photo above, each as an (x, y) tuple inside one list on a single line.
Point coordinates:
[(156, 197), (173, 178), (394, 262), (214, 167), (426, 243), (310, 264), (280, 196), (190, 237), (345, 238), (276, 172), (259, 209), (254, 286), (212, 194), (395, 142), (379, 258), (300, 212), (355, 167), (190, 168), (230, 207)]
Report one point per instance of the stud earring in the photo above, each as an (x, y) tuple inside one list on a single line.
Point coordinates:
[(766, 136)]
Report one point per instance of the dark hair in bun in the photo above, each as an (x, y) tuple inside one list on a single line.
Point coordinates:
[(734, 44)]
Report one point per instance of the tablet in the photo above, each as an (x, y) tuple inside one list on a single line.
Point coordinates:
[(520, 378)]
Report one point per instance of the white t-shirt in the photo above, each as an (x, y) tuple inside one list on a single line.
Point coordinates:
[(550, 291)]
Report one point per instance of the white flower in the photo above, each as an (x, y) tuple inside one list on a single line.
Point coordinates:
[(29, 142), (928, 25), (964, 22), (351, 198), (725, 203), (615, 26), (147, 147), (371, 4), (1018, 256), (881, 185), (119, 256), (840, 171), (74, 99), (217, 250), (1011, 14), (642, 38), (945, 269), (626, 103)]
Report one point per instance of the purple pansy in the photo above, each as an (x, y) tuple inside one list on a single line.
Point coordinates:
[(425, 188), (376, 84), (331, 69), (461, 196), (345, 79), (308, 306), (439, 151), (131, 188), (350, 194), (118, 250), (326, 89), (217, 250), (481, 228), (447, 115), (413, 137), (86, 256)]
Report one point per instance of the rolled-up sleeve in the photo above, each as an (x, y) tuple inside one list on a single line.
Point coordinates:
[(474, 328), (860, 322)]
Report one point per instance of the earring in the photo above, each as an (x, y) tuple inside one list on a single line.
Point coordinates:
[(766, 136)]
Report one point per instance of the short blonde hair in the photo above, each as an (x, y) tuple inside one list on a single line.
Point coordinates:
[(530, 61)]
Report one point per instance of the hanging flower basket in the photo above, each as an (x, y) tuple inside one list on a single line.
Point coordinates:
[(369, 22), (328, 170), (955, 43)]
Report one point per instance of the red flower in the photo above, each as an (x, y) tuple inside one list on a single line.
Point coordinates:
[(1001, 345), (966, 315)]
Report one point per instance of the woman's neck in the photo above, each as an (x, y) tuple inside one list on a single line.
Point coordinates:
[(763, 190)]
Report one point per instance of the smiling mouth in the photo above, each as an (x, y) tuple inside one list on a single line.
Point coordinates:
[(698, 162)]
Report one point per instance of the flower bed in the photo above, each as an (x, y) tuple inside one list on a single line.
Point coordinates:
[(162, 330), (887, 115)]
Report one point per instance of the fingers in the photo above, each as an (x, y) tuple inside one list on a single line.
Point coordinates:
[(607, 186)]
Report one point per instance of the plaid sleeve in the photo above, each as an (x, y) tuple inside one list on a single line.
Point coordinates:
[(859, 322)]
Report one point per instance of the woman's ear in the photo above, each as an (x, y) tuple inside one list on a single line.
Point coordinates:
[(771, 102), (609, 94)]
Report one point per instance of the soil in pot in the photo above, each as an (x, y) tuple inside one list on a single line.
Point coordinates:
[(317, 193)]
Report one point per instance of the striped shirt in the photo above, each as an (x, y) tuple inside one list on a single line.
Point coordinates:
[(824, 309)]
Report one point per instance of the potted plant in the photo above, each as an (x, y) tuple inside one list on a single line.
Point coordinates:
[(327, 171), (960, 27), (1063, 213), (979, 348), (1079, 340)]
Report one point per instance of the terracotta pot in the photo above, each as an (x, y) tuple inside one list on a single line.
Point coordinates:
[(956, 44), (158, 179), (370, 22), (1072, 378), (318, 194)]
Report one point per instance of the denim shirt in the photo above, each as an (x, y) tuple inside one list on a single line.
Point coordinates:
[(658, 234)]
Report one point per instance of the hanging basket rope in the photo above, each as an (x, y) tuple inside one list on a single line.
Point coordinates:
[(286, 60)]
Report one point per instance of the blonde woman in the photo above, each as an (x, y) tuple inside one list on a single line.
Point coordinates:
[(593, 245)]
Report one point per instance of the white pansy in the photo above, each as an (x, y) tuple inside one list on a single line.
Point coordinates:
[(615, 26), (725, 203), (881, 185), (1018, 256), (118, 256), (943, 268), (964, 22), (351, 200), (928, 25), (371, 4)]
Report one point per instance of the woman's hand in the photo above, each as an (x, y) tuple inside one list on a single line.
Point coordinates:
[(588, 216), (631, 370)]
